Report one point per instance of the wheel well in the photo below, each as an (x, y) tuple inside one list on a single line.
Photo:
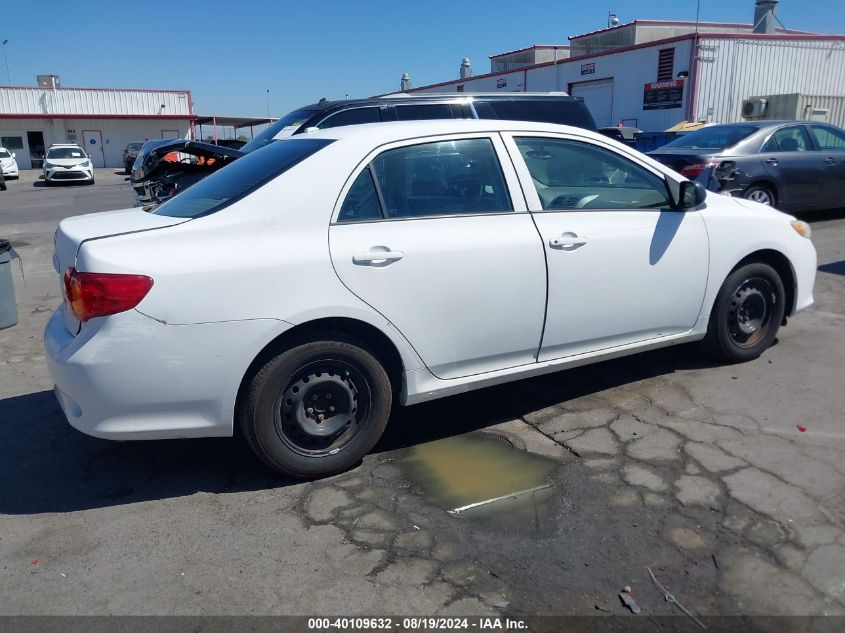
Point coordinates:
[(377, 342), (782, 266)]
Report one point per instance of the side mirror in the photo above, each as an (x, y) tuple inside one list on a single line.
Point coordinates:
[(693, 194), (14, 155)]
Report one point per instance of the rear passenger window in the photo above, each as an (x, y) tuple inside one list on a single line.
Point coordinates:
[(788, 139), (361, 202), (443, 178), (425, 111), (356, 116)]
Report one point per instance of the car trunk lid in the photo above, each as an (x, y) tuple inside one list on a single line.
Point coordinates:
[(75, 231)]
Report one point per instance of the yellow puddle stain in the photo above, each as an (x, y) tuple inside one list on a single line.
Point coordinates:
[(477, 473)]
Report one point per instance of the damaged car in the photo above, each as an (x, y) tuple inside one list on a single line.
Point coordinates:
[(165, 168)]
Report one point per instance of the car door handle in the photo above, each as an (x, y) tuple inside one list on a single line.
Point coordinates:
[(829, 160), (568, 241), (772, 161), (377, 257)]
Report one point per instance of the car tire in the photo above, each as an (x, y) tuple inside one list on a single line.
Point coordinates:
[(746, 314), (316, 408), (762, 194)]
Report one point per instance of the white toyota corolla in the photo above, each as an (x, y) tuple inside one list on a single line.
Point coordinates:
[(303, 289)]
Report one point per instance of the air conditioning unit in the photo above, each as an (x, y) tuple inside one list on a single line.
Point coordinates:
[(754, 108)]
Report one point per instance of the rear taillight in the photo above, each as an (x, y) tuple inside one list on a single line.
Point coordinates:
[(90, 295), (693, 171)]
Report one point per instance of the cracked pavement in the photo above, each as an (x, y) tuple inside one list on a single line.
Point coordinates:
[(728, 481)]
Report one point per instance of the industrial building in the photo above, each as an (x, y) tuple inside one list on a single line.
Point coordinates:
[(103, 120), (654, 74)]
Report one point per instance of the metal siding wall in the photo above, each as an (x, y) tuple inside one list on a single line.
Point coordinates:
[(630, 71), (739, 69), (74, 101)]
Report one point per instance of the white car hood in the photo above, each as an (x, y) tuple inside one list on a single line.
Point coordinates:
[(66, 162), (756, 206)]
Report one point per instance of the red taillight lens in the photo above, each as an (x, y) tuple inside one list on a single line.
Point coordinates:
[(92, 295), (694, 170)]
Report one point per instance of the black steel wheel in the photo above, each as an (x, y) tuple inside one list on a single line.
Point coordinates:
[(747, 313), (316, 408)]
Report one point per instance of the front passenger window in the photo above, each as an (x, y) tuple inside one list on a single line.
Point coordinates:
[(575, 175)]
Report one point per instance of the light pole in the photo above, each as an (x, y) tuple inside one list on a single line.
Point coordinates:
[(268, 103), (6, 57)]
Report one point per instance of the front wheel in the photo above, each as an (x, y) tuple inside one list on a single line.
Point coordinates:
[(316, 408), (747, 314)]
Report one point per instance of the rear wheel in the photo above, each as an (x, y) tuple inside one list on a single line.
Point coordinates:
[(761, 194), (747, 314), (316, 408)]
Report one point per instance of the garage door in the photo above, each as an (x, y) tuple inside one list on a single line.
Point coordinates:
[(598, 95)]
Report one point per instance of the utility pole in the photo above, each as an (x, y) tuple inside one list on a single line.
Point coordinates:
[(6, 57)]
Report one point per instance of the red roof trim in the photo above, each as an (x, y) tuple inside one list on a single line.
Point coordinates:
[(96, 89), (162, 117), (654, 44), (531, 48)]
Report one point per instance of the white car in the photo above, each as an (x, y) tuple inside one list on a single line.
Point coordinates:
[(302, 290), (8, 164), (68, 163)]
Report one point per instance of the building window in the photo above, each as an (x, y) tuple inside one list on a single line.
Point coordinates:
[(11, 142), (665, 64)]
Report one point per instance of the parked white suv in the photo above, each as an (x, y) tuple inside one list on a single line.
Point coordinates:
[(302, 290), (8, 164), (66, 163)]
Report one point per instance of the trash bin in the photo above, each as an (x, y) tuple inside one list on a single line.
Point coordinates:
[(8, 305)]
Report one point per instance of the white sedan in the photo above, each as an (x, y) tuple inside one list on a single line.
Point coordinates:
[(8, 164), (301, 291)]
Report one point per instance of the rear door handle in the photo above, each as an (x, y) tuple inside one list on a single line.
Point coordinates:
[(829, 160), (568, 241), (772, 161), (374, 257)]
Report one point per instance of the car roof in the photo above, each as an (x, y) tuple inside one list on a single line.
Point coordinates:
[(452, 97), (389, 131), (64, 145)]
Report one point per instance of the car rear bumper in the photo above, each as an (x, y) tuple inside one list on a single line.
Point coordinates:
[(130, 377)]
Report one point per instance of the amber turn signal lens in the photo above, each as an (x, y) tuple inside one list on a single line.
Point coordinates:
[(802, 228)]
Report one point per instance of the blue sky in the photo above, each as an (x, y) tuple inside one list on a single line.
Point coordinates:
[(229, 54)]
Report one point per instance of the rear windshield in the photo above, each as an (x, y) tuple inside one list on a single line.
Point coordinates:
[(713, 137), (291, 120), (561, 111), (239, 179), (134, 146)]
